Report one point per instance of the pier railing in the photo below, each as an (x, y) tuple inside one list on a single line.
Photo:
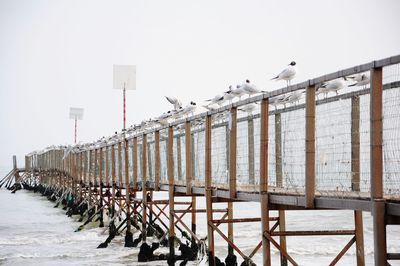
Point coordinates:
[(317, 145)]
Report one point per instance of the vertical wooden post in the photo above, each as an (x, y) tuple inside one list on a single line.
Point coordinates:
[(376, 161), (157, 160), (90, 176), (170, 169), (113, 179), (95, 176), (144, 186), (188, 159), (149, 162), (355, 176), (81, 174), (128, 235), (250, 152), (135, 173), (279, 182), (208, 184), (232, 171), (266, 245), (179, 156), (310, 146), (232, 153), (101, 180)]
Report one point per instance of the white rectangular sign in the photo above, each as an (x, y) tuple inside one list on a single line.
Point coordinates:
[(124, 77), (76, 113)]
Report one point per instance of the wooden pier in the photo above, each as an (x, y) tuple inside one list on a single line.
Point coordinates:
[(228, 157)]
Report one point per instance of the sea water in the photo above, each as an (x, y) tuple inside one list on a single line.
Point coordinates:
[(33, 232)]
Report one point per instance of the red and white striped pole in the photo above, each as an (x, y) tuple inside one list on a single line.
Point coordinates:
[(124, 107)]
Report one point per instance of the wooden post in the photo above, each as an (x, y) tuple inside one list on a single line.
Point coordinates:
[(355, 176), (90, 176), (250, 152), (81, 173), (170, 169), (179, 157), (310, 147), (355, 143), (266, 245), (113, 179), (208, 184), (84, 172), (135, 173), (101, 180), (232, 153), (376, 161), (135, 162), (144, 186), (188, 158), (230, 226), (149, 162), (157, 160), (95, 176), (129, 235), (279, 183)]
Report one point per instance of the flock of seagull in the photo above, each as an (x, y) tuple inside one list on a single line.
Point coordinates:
[(234, 92)]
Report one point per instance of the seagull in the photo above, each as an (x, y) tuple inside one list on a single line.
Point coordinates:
[(332, 86), (280, 99), (229, 95), (287, 74), (248, 108), (249, 88), (360, 79), (238, 91), (175, 102), (189, 109), (295, 96), (218, 99)]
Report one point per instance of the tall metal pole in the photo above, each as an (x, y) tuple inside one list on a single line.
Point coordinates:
[(124, 107)]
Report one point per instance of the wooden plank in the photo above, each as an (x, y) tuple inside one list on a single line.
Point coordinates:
[(250, 152), (355, 143), (157, 159), (188, 158), (232, 153), (358, 223), (170, 170), (208, 184), (310, 147), (376, 159), (135, 163), (144, 187), (266, 245), (127, 188)]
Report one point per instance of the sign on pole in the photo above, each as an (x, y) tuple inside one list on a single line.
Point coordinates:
[(124, 77)]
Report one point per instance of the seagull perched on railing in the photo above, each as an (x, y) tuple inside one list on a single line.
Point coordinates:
[(189, 109), (280, 99), (229, 95), (287, 74), (295, 96), (249, 88), (218, 99), (360, 79), (332, 86), (175, 102), (248, 108), (238, 91)]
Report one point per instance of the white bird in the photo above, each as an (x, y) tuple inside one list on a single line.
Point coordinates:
[(175, 102), (280, 99), (218, 99), (287, 74), (229, 95), (249, 88), (238, 91), (189, 109), (332, 86), (360, 79), (248, 108), (295, 96)]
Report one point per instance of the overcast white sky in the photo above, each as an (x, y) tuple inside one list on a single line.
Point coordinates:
[(57, 54)]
